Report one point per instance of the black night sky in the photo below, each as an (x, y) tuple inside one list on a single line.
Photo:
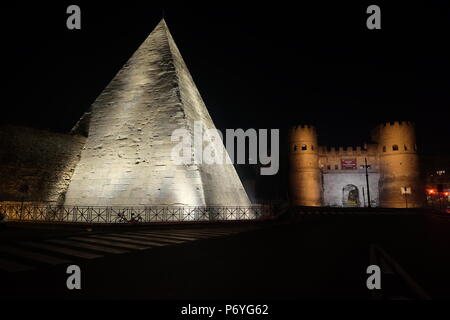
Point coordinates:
[(256, 66)]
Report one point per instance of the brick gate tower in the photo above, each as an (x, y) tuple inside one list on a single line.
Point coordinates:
[(304, 179), (399, 165)]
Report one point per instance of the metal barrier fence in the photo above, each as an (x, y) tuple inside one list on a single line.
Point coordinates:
[(74, 214)]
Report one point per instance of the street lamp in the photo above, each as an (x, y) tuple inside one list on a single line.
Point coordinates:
[(367, 182)]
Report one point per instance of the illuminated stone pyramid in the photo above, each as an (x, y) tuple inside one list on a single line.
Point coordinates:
[(127, 157)]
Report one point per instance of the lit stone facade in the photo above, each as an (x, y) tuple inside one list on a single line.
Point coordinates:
[(323, 176), (127, 157)]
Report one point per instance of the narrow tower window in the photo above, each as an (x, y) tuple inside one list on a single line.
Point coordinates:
[(395, 147), (406, 148), (295, 148), (304, 147), (384, 148)]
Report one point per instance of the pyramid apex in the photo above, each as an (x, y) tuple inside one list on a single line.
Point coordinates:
[(162, 23)]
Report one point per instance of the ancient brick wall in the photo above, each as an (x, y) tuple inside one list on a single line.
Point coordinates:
[(36, 165)]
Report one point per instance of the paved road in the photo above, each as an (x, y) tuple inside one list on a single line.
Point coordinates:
[(316, 256), (29, 249)]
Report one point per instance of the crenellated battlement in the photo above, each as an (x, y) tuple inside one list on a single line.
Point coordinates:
[(398, 124), (347, 150), (303, 127), (303, 133)]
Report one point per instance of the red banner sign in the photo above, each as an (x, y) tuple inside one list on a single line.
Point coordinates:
[(348, 164)]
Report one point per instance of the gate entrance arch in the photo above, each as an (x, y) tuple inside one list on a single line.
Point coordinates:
[(350, 196)]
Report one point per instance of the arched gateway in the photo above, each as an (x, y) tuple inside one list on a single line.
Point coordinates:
[(350, 196)]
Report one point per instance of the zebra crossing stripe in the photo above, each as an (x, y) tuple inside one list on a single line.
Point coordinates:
[(63, 250), (188, 234), (131, 237), (224, 231), (77, 244), (139, 236), (110, 243), (155, 238), (171, 236), (221, 232), (215, 231), (148, 244), (32, 255), (11, 266), (195, 233), (205, 233)]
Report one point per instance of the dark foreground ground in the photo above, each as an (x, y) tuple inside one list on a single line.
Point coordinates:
[(313, 256)]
